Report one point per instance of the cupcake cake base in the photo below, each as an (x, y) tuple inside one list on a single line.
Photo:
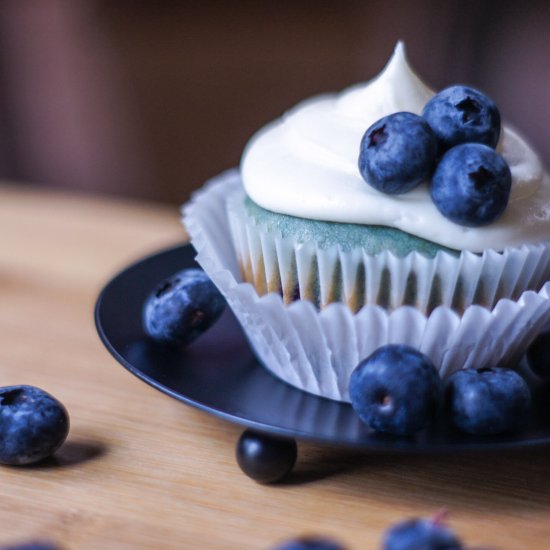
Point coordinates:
[(326, 262), (317, 349)]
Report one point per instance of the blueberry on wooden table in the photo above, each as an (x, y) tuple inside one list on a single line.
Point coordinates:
[(31, 546), (487, 401), (33, 425), (310, 543), (471, 185), (395, 390), (420, 534), (460, 114), (397, 153), (182, 307)]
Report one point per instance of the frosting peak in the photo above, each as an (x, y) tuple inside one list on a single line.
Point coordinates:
[(305, 165), (396, 88)]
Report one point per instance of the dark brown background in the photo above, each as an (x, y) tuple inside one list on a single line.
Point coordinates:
[(149, 99)]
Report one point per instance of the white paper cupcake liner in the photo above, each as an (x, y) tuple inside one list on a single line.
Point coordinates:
[(316, 350), (325, 275)]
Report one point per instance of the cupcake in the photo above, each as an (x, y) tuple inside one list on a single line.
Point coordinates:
[(320, 268)]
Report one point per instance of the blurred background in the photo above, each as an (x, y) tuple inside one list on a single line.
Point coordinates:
[(148, 99)]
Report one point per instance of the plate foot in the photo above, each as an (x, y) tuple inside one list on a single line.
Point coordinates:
[(265, 458)]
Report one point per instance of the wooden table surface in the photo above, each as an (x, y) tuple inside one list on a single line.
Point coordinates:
[(140, 470)]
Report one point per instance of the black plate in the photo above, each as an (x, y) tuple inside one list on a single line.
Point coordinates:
[(219, 374)]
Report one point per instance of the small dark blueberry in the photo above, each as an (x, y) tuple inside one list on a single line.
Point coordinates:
[(395, 390), (33, 425), (397, 153), (538, 355), (487, 401), (181, 308), (460, 114), (310, 543), (471, 185), (37, 545), (420, 534), (265, 458)]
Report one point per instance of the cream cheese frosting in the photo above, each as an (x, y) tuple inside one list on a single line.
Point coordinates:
[(305, 165)]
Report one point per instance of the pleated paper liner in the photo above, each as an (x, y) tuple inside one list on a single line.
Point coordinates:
[(299, 270), (316, 349)]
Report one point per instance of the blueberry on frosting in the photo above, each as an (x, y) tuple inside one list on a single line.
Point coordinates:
[(460, 114), (471, 185), (397, 152)]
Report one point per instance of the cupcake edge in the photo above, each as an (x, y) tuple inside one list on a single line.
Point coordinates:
[(323, 275), (316, 351)]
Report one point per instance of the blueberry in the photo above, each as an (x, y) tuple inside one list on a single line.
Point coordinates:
[(33, 424), (181, 308), (538, 355), (395, 390), (32, 546), (397, 153), (310, 543), (460, 114), (420, 534), (471, 185), (487, 401)]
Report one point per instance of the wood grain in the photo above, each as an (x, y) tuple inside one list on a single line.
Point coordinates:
[(140, 470)]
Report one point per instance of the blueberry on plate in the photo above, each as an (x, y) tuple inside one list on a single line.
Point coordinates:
[(33, 425), (310, 543), (471, 185), (397, 153), (538, 355), (487, 401), (395, 390), (182, 307), (420, 534), (460, 114)]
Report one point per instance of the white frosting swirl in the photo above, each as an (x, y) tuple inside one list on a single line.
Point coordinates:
[(305, 164)]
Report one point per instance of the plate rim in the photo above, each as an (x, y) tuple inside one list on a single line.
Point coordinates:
[(384, 445)]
